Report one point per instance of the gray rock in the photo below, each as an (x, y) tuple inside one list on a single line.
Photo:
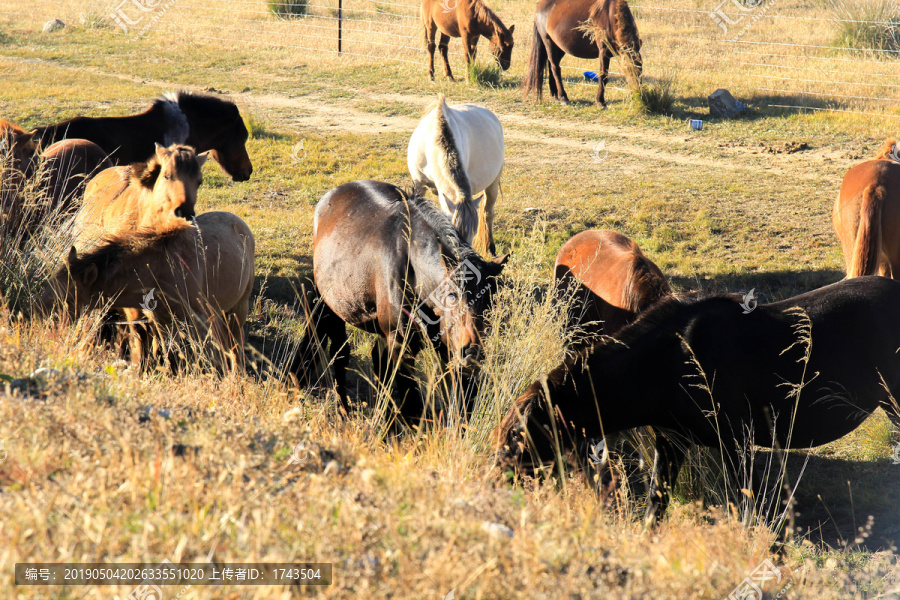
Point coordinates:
[(54, 25), (723, 104)]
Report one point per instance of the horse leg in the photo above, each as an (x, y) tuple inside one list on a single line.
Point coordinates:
[(667, 461), (470, 46), (430, 33), (336, 329), (555, 55), (605, 56), (443, 48), (484, 240)]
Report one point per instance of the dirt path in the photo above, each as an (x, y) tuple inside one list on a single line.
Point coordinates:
[(572, 140)]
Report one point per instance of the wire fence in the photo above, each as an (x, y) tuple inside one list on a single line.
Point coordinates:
[(823, 55)]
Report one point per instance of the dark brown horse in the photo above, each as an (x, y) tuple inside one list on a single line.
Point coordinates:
[(392, 264), (584, 29), (613, 282), (866, 214), (469, 20), (67, 167), (792, 374), (203, 122)]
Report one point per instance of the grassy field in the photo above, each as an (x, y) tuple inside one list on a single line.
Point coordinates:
[(105, 464)]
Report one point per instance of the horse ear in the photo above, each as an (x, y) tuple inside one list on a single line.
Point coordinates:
[(90, 276), (73, 256), (161, 152), (511, 29), (501, 260), (201, 158)]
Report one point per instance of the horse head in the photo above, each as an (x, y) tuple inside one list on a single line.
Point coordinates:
[(502, 46), (230, 150), (71, 286), (633, 63), (174, 175), (19, 144), (461, 302), (525, 437)]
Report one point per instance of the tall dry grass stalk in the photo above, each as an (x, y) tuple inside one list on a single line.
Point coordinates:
[(869, 26)]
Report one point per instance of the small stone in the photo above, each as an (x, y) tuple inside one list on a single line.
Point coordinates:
[(54, 25), (723, 104), (497, 530)]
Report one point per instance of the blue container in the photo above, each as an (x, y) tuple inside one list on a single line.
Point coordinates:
[(591, 76), (696, 124)]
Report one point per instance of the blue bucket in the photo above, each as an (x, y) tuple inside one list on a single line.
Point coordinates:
[(696, 124), (591, 76)]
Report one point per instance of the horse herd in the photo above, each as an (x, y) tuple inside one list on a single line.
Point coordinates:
[(791, 374), (587, 29)]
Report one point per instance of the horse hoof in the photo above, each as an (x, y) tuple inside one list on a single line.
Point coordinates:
[(600, 105), (564, 101)]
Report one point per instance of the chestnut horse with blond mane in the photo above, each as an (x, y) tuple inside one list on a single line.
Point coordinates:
[(584, 29), (469, 20), (866, 212)]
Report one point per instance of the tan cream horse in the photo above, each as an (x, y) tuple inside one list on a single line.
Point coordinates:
[(189, 278)]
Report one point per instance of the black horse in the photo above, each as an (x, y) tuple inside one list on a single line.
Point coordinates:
[(204, 122), (715, 373), (392, 264)]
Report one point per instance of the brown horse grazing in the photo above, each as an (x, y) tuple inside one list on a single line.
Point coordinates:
[(199, 276), (68, 165), (203, 122), (584, 29), (142, 196), (466, 19), (797, 373), (612, 280), (865, 214), (392, 264)]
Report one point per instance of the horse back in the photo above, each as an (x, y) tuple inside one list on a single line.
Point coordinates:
[(228, 251), (562, 20), (614, 278)]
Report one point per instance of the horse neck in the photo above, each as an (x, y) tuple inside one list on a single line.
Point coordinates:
[(616, 387), (428, 264), (488, 24)]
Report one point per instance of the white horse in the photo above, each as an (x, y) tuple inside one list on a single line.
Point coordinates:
[(458, 152)]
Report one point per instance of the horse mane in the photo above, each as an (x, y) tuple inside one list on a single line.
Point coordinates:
[(626, 33), (888, 149), (112, 251), (483, 13), (207, 107), (446, 233), (146, 173), (450, 173), (644, 286)]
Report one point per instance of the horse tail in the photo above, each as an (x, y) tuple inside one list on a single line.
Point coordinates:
[(482, 243), (533, 83), (867, 249), (450, 174)]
